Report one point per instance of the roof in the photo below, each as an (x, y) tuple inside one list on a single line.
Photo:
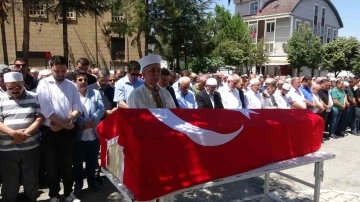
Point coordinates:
[(274, 7)]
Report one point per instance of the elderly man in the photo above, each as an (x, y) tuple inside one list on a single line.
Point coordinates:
[(20, 119), (200, 85), (21, 65), (296, 97), (281, 99), (61, 105), (87, 144), (151, 95), (3, 70), (253, 97), (184, 73), (127, 84), (208, 97), (84, 64), (319, 105), (230, 96), (184, 97), (279, 85), (34, 73), (267, 99)]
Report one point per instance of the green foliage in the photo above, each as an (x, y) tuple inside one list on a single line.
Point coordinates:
[(341, 54), (232, 52), (356, 66), (303, 49), (206, 64)]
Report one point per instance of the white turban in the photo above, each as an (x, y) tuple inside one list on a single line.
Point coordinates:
[(13, 77), (149, 60), (254, 81), (286, 86), (211, 82)]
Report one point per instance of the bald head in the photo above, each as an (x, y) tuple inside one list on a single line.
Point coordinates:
[(184, 84)]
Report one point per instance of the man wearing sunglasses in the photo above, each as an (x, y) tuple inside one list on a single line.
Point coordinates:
[(21, 65), (127, 84)]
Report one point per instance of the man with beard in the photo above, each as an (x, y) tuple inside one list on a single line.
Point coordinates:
[(325, 97), (151, 95), (20, 120), (60, 104), (281, 98), (3, 70)]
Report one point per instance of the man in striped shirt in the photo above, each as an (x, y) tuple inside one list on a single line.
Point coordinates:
[(20, 120)]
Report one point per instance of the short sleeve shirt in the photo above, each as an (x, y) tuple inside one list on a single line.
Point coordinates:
[(339, 95)]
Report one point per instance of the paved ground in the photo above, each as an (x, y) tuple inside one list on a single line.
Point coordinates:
[(341, 182)]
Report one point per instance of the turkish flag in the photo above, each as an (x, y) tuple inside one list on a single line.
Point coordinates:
[(169, 150)]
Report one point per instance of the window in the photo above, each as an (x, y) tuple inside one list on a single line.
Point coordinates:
[(117, 48), (116, 17), (335, 34), (71, 14), (270, 26), (37, 10), (253, 32), (297, 24), (269, 47), (328, 38), (323, 17), (316, 14), (254, 7)]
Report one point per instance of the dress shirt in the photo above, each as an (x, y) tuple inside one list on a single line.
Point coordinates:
[(88, 135), (58, 98), (296, 96), (252, 100), (186, 101), (282, 101), (230, 98), (124, 87)]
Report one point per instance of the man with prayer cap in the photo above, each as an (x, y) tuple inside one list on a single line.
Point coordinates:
[(3, 70), (253, 97), (208, 97), (20, 119), (151, 95), (281, 99)]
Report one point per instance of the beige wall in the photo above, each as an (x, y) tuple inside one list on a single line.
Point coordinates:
[(81, 37)]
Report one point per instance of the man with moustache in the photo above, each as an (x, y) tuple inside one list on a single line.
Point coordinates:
[(208, 98), (151, 95), (60, 104), (20, 119), (281, 98), (3, 70)]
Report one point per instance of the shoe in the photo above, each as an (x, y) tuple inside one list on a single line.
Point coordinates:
[(72, 198), (54, 199), (97, 188), (334, 136)]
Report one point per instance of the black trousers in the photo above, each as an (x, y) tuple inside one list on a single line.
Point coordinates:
[(16, 166), (59, 147)]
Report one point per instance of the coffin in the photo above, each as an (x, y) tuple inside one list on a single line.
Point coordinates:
[(154, 152)]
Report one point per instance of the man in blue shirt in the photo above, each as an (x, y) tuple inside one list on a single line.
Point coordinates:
[(305, 89), (184, 96), (127, 84)]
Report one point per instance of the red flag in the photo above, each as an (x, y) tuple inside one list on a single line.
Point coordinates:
[(169, 150)]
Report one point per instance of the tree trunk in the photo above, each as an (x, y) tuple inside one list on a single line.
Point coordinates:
[(312, 72), (146, 30), (298, 71), (65, 33), (138, 43), (26, 30), (3, 33), (336, 74)]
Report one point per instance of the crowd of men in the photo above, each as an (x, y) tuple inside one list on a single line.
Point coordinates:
[(48, 119)]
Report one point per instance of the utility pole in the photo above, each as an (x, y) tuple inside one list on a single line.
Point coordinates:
[(3, 33)]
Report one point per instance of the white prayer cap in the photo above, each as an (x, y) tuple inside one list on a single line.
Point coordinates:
[(269, 80), (346, 84), (260, 75), (211, 82), (13, 77), (288, 80), (286, 86), (254, 81), (149, 60), (280, 82), (277, 77)]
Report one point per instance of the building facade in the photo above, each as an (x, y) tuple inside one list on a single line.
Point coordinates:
[(83, 34), (276, 21)]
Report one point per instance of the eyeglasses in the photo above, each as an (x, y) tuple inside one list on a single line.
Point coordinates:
[(14, 88), (81, 80), (20, 65), (112, 80)]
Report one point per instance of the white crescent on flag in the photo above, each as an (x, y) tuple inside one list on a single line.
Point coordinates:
[(199, 135)]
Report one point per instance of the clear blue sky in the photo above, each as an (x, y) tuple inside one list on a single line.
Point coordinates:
[(348, 9)]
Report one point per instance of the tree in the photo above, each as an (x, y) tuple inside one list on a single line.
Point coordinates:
[(257, 55), (81, 7), (207, 64), (303, 49), (341, 54), (232, 52), (356, 66), (3, 33)]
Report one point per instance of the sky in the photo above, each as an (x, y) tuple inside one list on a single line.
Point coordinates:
[(346, 8)]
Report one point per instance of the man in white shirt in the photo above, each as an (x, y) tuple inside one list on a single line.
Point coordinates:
[(282, 98), (60, 104), (253, 97), (295, 96), (229, 94)]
